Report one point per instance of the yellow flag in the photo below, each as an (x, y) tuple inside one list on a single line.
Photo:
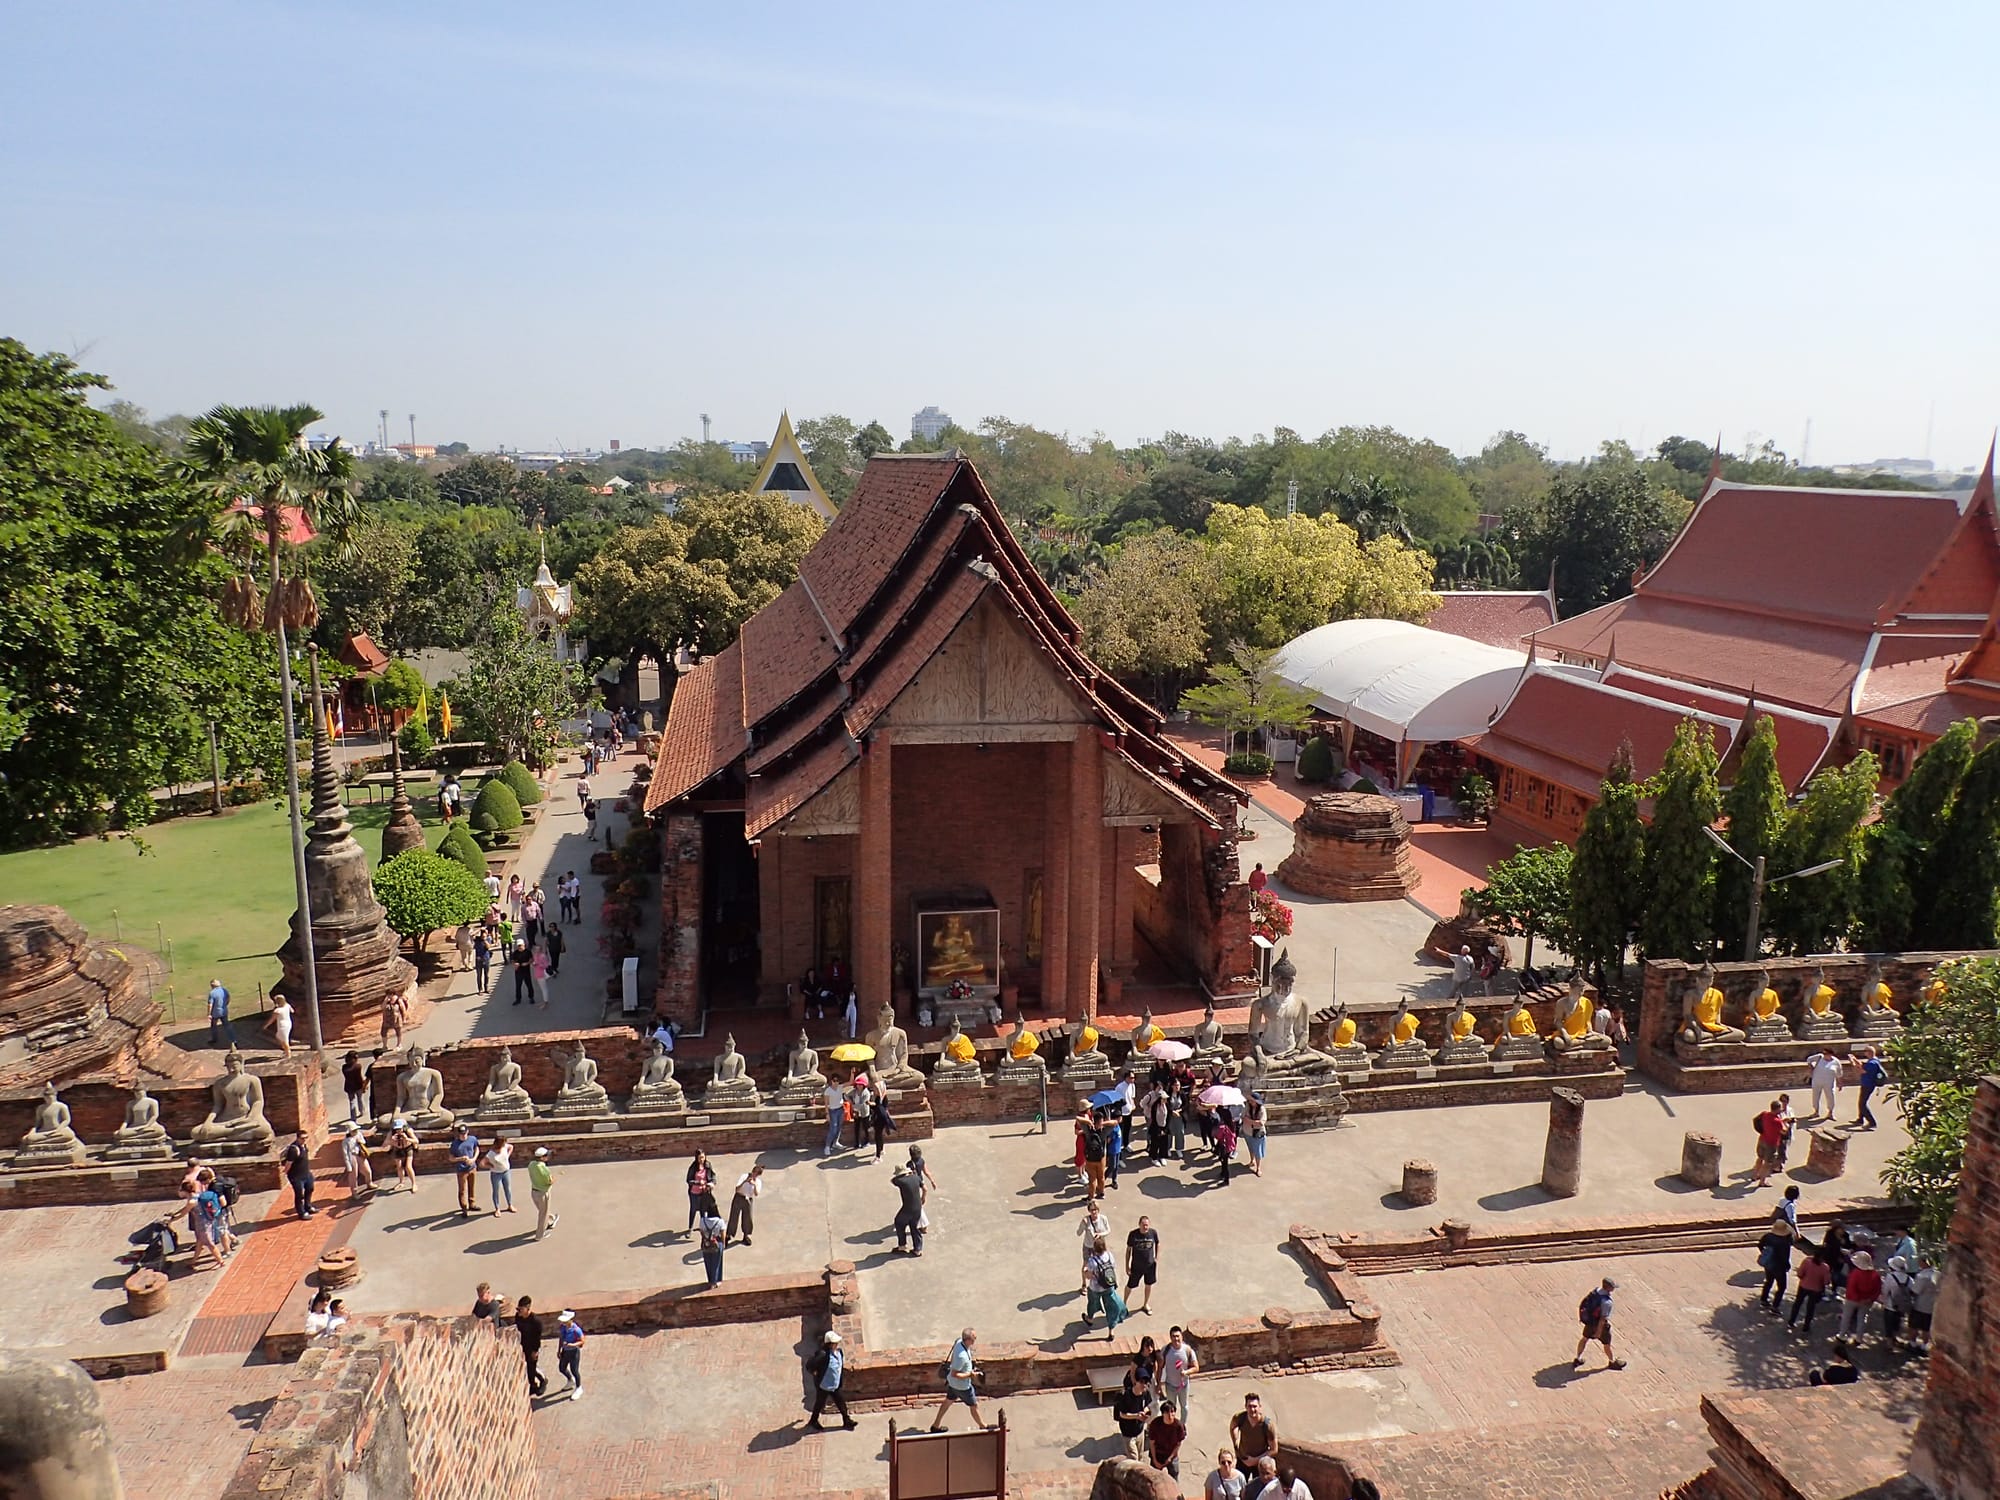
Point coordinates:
[(444, 713), (424, 705)]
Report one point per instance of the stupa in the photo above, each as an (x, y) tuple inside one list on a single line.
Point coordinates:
[(404, 831), (355, 954), (71, 1005)]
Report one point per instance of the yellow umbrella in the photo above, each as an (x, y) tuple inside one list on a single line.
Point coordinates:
[(853, 1052)]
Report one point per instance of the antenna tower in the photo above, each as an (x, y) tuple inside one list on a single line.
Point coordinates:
[(704, 427)]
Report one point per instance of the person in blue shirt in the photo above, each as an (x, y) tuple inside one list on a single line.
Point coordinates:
[(464, 1166), (569, 1352), (218, 1015), (1873, 1076), (827, 1369)]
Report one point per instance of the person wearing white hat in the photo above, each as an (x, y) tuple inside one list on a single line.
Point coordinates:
[(569, 1352), (1862, 1291), (354, 1156), (541, 1182), (827, 1368), (403, 1152)]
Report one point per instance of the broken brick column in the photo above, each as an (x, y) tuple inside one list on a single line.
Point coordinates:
[(1562, 1157), (678, 994), (874, 921)]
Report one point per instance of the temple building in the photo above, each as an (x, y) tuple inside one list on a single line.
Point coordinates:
[(905, 766), (1858, 619), (546, 606), (786, 472)]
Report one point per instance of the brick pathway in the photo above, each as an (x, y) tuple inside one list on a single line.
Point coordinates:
[(279, 1251), (185, 1431)]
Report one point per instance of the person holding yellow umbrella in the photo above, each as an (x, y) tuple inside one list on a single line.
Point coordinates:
[(842, 1100)]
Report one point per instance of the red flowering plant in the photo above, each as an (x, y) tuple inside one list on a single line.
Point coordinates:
[(1270, 918), (958, 989)]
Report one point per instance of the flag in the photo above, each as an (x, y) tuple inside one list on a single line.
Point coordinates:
[(338, 722), (444, 713), (424, 705)]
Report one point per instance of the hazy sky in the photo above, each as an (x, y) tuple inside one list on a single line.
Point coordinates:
[(569, 223)]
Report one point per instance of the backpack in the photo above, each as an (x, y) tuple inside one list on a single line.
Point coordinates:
[(1093, 1144), (228, 1190), (710, 1240), (1591, 1308)]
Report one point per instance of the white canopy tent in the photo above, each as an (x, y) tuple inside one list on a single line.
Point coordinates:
[(1411, 685)]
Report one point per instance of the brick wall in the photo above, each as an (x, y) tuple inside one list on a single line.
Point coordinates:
[(620, 1055), (292, 1099), (1958, 1444), (787, 870), (679, 991)]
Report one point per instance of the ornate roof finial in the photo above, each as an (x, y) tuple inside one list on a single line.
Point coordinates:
[(1715, 461)]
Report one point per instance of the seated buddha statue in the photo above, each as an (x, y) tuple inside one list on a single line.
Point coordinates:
[(1701, 1012), (504, 1098), (1344, 1042), (1281, 1024), (142, 1136), (1520, 1040), (1145, 1033), (1936, 990), (581, 1094), (730, 1085), (1087, 1062), (657, 1092), (1819, 1020), (954, 954), (1023, 1062), (50, 1141), (1025, 1043), (1878, 1009), (1461, 1032), (1767, 1024), (236, 1110), (958, 1063), (1574, 1013), (1209, 1047), (803, 1082), (1402, 1048), (892, 1068)]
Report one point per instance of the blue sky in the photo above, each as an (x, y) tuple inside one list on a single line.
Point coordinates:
[(567, 223)]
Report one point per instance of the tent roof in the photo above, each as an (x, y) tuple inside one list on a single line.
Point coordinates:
[(1402, 681)]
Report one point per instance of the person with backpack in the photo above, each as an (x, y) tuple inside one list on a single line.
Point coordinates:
[(1815, 1276), (880, 1122), (1096, 1143), (1102, 1272), (297, 1164), (1898, 1294), (908, 1181), (1871, 1077), (828, 1370), (1769, 1124), (714, 1236), (354, 1084), (1594, 1312), (1774, 1258)]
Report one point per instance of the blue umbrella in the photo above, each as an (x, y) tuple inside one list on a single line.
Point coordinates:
[(1105, 1098)]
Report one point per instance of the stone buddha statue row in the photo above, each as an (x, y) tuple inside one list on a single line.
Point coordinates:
[(1704, 1020), (235, 1124)]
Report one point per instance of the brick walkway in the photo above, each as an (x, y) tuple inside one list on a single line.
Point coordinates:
[(279, 1251), (185, 1431)]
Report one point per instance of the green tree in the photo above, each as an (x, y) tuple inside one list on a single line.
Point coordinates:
[(1677, 921), (1277, 578), (1755, 807), (521, 692), (1244, 695), (479, 480), (423, 893), (366, 587), (1899, 877), (1179, 495), (496, 809), (1596, 525), (829, 442), (1528, 894), (1143, 616), (873, 439), (1949, 1041), (1811, 914), (1608, 876), (1967, 857), (415, 739), (458, 844), (400, 687), (1510, 473)]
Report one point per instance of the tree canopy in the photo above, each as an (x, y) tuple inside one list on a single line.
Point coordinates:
[(1608, 875), (1679, 911), (1755, 807), (1949, 1041), (1596, 525), (423, 892), (1529, 894)]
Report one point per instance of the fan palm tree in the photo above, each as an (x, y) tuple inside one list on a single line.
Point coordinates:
[(255, 463)]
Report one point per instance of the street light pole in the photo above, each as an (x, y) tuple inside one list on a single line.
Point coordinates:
[(1758, 884), (1756, 909)]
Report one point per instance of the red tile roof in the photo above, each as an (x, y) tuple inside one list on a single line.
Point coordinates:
[(867, 539), (1929, 717), (788, 641), (1566, 728), (361, 653), (1803, 740), (1498, 618)]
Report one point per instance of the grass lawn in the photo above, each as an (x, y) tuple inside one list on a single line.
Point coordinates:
[(219, 890)]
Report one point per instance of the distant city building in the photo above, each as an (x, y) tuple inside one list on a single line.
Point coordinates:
[(748, 453), (786, 472), (929, 423), (417, 450)]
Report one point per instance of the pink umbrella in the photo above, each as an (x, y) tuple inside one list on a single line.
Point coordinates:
[(1167, 1050), (1216, 1095)]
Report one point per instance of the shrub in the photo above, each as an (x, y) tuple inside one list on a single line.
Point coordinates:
[(1248, 763), (423, 892), (416, 741), (459, 844), (1316, 759), (1475, 796), (496, 801), (527, 791)]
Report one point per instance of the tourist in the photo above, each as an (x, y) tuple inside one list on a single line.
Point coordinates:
[(1788, 1208), (1253, 1132), (482, 961), (1288, 1486), (828, 1369), (281, 1023), (464, 1153), (354, 1156), (1253, 1433), (1225, 1481), (1163, 1440), (462, 940), (486, 1305), (811, 994), (538, 970), (554, 942), (700, 1188), (529, 1327), (1815, 1276), (227, 1192), (713, 1237), (1142, 1261), (1594, 1312), (1258, 879), (516, 894), (524, 973), (1898, 1288), (531, 916), (1145, 1368), (297, 1164), (1178, 1366), (569, 894), (569, 1352), (1155, 1105), (1225, 1142), (541, 1185), (1177, 1107), (1862, 1291), (1774, 1256), (395, 1014), (203, 1208), (1906, 1246), (1790, 1120), (492, 884), (499, 1165), (1129, 1409), (403, 1153), (1873, 1075), (324, 1314), (219, 1024), (1096, 1142), (1114, 1147), (961, 1375), (590, 820), (1835, 1243), (836, 1115), (1101, 1292), (1824, 1070), (354, 1083), (1923, 1303), (880, 1122), (1840, 1370), (1091, 1227), (1462, 970), (1079, 1123), (742, 1205), (864, 1105), (1769, 1124), (908, 1181), (1124, 1107)]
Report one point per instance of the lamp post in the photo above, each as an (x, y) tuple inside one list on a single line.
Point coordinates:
[(1758, 884)]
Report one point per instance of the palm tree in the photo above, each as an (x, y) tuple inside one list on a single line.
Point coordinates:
[(254, 461)]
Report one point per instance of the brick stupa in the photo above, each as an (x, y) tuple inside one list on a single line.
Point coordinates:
[(1351, 846), (71, 1006), (356, 956)]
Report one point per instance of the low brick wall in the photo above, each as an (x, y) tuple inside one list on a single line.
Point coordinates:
[(128, 1183), (292, 1098)]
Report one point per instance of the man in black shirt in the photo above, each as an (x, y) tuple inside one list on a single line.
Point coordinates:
[(530, 1328), (909, 1218), (1142, 1262)]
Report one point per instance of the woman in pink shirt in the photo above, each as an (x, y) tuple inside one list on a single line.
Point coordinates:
[(538, 970)]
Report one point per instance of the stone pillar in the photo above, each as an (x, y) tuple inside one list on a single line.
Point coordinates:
[(874, 890), (56, 1442), (1562, 1158), (1055, 880), (1420, 1183), (1121, 942), (145, 1293), (678, 994), (1701, 1160), (1827, 1153), (1086, 801), (1457, 1234)]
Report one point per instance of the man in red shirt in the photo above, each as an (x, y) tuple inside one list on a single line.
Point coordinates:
[(1770, 1141), (1258, 879)]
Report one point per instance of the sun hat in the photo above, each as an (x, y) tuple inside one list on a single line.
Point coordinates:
[(402, 1124), (831, 1337), (541, 1150), (565, 1316), (1863, 1261)]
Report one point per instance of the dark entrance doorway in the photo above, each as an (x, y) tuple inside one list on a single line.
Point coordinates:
[(730, 911)]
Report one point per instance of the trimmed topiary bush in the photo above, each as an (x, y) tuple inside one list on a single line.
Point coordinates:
[(1316, 759), (460, 845), (424, 892), (1249, 763), (415, 738), (521, 781), (496, 801)]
